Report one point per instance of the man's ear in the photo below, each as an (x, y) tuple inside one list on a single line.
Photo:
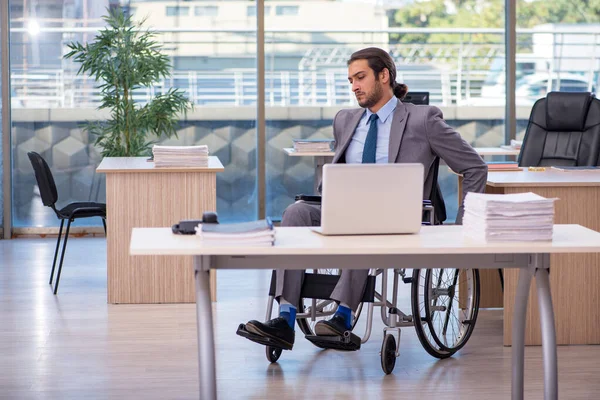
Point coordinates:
[(384, 76)]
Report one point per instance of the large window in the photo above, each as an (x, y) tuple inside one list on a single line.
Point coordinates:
[(206, 11), (1, 152), (307, 84), (48, 105), (216, 69), (453, 49), (177, 11), (287, 10), (561, 41)]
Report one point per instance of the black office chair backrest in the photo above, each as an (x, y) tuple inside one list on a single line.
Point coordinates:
[(44, 179), (437, 200), (417, 98), (563, 130)]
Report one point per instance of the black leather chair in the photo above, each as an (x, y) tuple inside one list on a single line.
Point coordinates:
[(419, 98), (70, 212), (563, 130), (436, 198)]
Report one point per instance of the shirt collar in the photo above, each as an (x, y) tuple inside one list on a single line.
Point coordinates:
[(385, 111)]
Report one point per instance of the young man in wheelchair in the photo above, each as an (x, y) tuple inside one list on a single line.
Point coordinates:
[(383, 130)]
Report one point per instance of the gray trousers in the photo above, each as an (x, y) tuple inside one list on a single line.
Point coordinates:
[(351, 285)]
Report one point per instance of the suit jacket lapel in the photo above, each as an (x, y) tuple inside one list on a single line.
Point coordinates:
[(348, 132), (397, 131)]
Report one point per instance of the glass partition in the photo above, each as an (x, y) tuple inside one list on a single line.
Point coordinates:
[(212, 49), (448, 52)]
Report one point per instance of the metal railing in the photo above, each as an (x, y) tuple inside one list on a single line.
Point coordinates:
[(454, 70), (54, 88)]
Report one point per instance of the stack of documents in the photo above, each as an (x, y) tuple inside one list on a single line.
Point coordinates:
[(514, 145), (313, 145), (255, 233), (180, 156), (503, 166), (508, 217), (576, 168)]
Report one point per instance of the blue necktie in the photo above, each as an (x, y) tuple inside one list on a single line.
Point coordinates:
[(370, 149)]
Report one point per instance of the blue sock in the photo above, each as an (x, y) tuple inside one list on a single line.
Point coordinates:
[(346, 313), (288, 312)]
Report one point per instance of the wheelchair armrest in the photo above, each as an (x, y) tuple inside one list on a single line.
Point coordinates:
[(428, 213)]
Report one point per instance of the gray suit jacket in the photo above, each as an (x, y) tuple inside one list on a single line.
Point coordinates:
[(418, 134)]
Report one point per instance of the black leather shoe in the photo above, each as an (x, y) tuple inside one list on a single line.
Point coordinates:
[(276, 328), (336, 326)]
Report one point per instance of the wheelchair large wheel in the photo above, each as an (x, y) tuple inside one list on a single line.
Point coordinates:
[(444, 320), (324, 309)]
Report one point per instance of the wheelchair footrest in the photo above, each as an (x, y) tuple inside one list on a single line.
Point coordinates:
[(348, 342), (241, 331)]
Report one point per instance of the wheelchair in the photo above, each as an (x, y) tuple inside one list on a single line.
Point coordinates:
[(444, 304)]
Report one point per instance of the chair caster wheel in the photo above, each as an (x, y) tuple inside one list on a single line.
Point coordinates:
[(273, 353), (388, 354)]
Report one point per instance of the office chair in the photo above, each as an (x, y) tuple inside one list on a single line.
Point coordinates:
[(563, 130), (419, 98), (436, 199), (70, 212)]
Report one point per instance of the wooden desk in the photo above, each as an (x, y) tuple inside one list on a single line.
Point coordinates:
[(482, 151), (320, 158), (497, 151), (295, 248), (575, 279), (324, 157), (140, 195)]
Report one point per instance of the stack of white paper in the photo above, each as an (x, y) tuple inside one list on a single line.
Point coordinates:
[(180, 156), (313, 145), (508, 217), (255, 233), (516, 144)]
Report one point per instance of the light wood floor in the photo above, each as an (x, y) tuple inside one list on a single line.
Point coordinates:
[(75, 346)]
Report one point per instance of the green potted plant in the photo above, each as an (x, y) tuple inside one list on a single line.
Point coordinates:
[(124, 58)]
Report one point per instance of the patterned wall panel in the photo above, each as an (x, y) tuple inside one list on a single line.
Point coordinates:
[(73, 158)]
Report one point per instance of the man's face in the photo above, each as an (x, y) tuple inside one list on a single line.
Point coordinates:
[(366, 88)]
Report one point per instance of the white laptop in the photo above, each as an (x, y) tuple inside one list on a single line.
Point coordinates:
[(361, 199)]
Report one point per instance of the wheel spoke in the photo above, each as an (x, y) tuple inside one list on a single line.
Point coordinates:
[(442, 303)]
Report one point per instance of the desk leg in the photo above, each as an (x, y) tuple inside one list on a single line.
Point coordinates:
[(518, 333), (544, 296), (538, 266), (204, 326)]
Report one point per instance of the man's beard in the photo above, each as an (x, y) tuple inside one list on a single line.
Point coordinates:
[(373, 97)]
